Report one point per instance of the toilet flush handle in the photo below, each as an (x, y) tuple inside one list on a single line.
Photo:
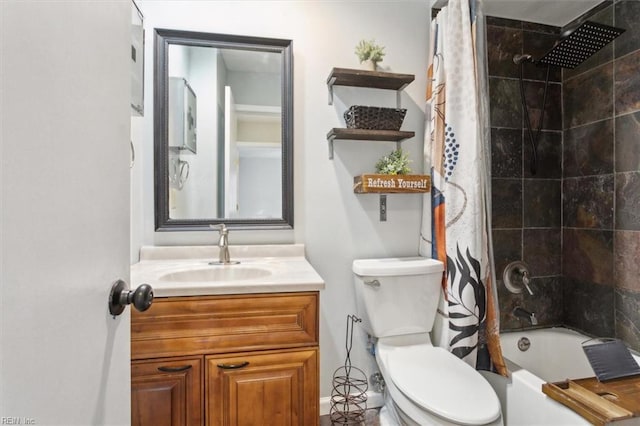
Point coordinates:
[(373, 283)]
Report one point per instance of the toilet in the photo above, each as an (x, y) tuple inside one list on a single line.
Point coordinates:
[(397, 300)]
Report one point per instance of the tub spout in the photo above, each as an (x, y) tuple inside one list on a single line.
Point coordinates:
[(530, 317)]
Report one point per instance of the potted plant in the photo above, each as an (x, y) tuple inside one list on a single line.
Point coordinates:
[(396, 163), (368, 50)]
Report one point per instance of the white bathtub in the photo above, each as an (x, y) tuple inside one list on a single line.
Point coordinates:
[(555, 354)]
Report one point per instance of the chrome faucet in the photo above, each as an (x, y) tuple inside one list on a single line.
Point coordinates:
[(223, 246), (530, 317)]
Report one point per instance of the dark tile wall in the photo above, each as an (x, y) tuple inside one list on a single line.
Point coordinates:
[(601, 183), (526, 212), (576, 222)]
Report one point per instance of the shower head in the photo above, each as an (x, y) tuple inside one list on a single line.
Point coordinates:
[(580, 44)]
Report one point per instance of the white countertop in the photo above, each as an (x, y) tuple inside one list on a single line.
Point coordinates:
[(286, 270)]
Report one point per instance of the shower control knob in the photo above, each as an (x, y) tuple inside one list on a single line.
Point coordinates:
[(516, 277), (120, 296)]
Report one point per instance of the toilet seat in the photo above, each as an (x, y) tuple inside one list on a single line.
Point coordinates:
[(440, 383)]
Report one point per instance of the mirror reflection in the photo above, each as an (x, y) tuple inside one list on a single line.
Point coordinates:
[(223, 135)]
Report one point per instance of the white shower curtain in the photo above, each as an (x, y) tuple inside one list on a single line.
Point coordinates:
[(456, 152)]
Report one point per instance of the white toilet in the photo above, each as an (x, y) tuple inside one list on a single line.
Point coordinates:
[(397, 299)]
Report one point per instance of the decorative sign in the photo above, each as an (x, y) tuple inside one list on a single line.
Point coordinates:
[(387, 184)]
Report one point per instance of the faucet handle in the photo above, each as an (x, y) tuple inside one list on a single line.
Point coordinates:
[(526, 279), (222, 228)]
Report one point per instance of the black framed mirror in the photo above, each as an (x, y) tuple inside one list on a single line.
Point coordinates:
[(223, 131)]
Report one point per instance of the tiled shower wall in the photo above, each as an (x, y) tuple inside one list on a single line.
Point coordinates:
[(601, 183), (526, 207), (577, 221)]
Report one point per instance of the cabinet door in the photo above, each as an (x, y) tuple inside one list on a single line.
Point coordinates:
[(276, 388), (166, 392)]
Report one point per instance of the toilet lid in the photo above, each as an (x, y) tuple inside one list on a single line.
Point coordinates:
[(443, 384)]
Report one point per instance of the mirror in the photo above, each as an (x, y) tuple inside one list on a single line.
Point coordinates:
[(223, 131)]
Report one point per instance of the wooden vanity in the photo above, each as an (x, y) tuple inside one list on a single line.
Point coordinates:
[(226, 344), (249, 359)]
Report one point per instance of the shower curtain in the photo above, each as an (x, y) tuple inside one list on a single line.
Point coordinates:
[(456, 150)]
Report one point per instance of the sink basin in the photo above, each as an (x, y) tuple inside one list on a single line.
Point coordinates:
[(217, 273), (176, 271)]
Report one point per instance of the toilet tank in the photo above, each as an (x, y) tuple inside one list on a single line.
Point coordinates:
[(396, 296)]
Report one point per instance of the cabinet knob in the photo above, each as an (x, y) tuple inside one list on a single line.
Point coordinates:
[(233, 366)]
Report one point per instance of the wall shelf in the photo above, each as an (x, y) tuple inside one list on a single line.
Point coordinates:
[(369, 135), (374, 80), (364, 78), (366, 135), (378, 184)]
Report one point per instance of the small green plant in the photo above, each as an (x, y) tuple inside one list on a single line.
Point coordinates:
[(369, 51), (396, 163)]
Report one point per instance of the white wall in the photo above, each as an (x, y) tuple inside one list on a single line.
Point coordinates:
[(336, 225), (137, 192), (65, 89)]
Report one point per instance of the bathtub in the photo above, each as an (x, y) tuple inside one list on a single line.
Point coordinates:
[(555, 354)]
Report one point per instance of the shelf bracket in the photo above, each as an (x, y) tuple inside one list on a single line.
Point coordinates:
[(383, 207), (398, 99), (330, 89), (330, 140)]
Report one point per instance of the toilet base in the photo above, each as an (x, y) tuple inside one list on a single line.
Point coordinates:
[(392, 415), (386, 418)]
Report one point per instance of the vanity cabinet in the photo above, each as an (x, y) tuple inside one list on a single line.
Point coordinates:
[(262, 389), (252, 360), (166, 392)]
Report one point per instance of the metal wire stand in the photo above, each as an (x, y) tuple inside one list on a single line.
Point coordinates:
[(349, 392)]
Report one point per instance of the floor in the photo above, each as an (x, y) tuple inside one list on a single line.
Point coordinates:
[(370, 419)]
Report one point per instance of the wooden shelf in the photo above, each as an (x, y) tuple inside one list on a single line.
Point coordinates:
[(369, 135), (371, 79), (379, 184), (391, 184), (364, 78), (366, 135)]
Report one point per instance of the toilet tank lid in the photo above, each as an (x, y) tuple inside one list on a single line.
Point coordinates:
[(394, 266)]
